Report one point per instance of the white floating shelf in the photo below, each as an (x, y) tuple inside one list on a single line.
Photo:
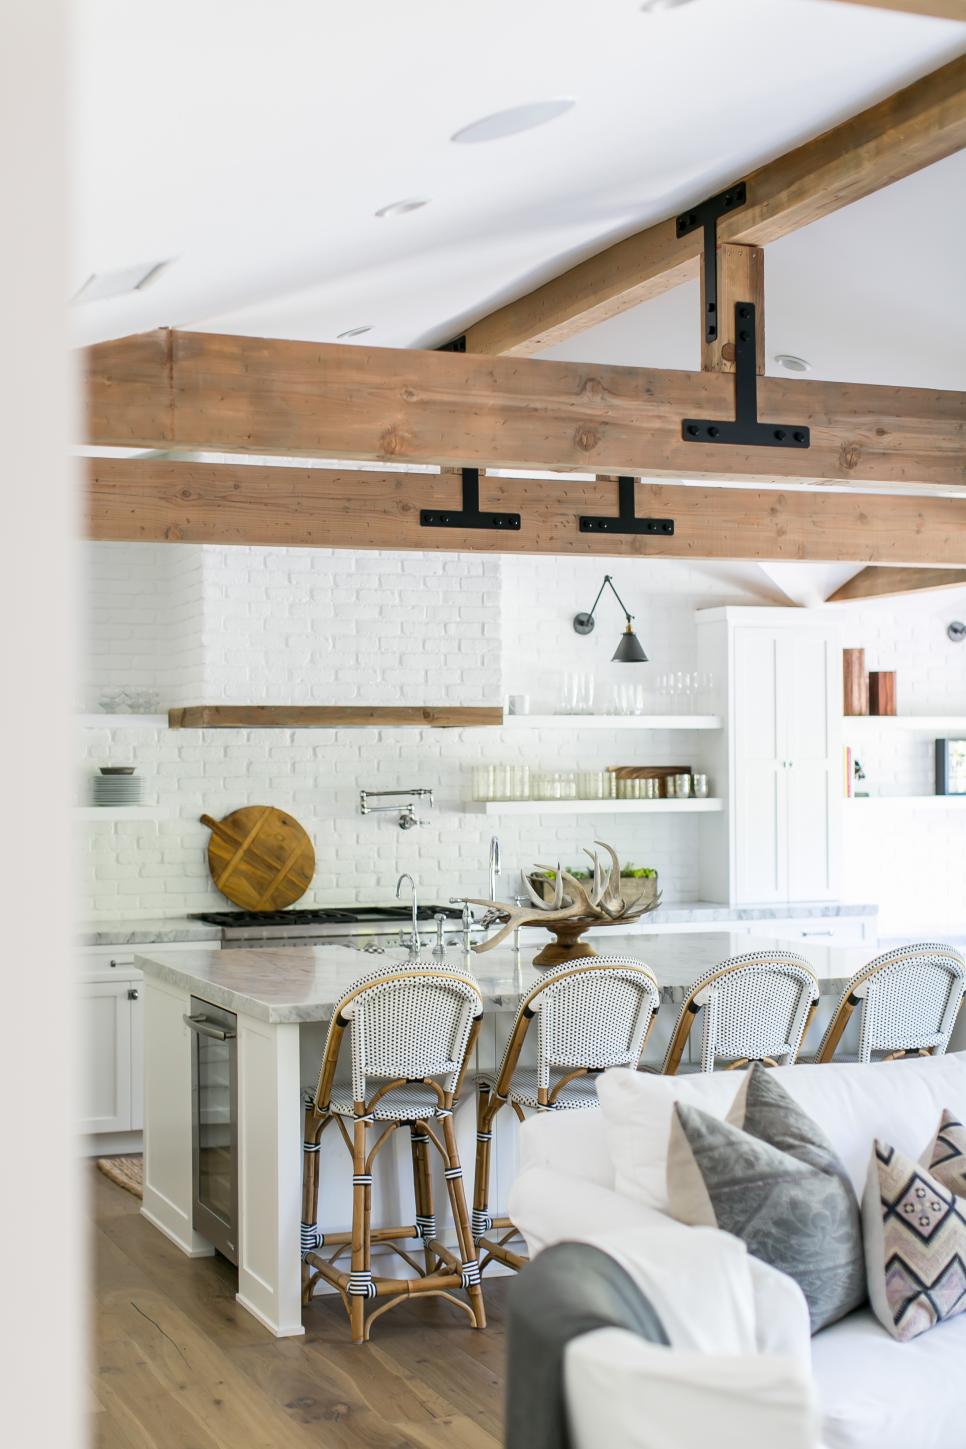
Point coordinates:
[(917, 802), (939, 723), (613, 721), (122, 721), (594, 807), (122, 812)]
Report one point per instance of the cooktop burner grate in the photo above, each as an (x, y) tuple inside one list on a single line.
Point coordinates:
[(323, 916)]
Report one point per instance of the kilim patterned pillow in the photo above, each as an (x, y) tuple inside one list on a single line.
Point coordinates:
[(915, 1245), (946, 1158)]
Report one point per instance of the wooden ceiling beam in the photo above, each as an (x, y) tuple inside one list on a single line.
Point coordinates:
[(877, 583), (154, 501), (218, 393), (937, 9), (900, 135)]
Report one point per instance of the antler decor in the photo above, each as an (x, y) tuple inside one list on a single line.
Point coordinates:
[(572, 909)]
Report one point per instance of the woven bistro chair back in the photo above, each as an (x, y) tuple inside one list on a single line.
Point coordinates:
[(409, 1024), (755, 1007), (908, 999)]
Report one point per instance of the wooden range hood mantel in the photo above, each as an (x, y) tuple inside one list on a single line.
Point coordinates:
[(331, 716)]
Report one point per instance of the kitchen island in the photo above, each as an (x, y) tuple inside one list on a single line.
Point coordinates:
[(283, 999)]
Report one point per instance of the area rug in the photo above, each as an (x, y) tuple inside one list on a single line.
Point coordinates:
[(127, 1172)]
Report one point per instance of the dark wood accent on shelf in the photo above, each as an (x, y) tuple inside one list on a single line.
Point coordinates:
[(196, 390), (882, 691), (154, 500), (855, 681), (894, 138), (878, 582), (333, 717)]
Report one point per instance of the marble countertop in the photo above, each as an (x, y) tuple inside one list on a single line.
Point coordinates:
[(295, 984), (159, 929)]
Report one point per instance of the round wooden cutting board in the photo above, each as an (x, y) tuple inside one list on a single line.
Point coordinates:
[(260, 858)]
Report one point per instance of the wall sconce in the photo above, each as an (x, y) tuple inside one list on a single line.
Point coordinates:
[(629, 650)]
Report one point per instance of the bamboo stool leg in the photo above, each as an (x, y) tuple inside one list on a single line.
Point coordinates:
[(485, 1113), (361, 1286), (423, 1187), (454, 1185), (311, 1238)]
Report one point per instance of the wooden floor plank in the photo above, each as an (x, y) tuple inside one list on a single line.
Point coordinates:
[(179, 1365)]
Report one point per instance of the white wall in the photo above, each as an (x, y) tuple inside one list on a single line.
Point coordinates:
[(310, 626)]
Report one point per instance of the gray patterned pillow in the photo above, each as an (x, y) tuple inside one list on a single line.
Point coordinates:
[(946, 1157), (915, 1245), (776, 1183)]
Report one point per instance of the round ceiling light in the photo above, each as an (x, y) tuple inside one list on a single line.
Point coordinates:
[(511, 122), (353, 332), (791, 363), (404, 207)]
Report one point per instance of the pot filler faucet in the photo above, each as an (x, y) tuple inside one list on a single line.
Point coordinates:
[(414, 944)]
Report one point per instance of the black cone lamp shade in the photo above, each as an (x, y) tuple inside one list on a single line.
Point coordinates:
[(629, 650)]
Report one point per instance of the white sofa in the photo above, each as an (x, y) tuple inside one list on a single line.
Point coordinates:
[(598, 1175)]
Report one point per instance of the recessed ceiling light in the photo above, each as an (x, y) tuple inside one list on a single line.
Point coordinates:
[(791, 363), (404, 207), (654, 7), (514, 120), (353, 332), (101, 285)]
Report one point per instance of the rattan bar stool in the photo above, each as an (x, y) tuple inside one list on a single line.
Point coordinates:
[(589, 1016), (757, 1008), (909, 999), (410, 1032)]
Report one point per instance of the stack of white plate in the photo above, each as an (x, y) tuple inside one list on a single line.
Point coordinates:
[(112, 787)]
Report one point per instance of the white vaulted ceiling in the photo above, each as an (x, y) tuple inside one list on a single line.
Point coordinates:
[(252, 143)]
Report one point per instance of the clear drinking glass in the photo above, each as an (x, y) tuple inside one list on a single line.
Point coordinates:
[(682, 786), (700, 787)]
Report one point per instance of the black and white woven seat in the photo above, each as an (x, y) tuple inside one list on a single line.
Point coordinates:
[(754, 1008), (410, 1032), (908, 1000), (589, 1015)]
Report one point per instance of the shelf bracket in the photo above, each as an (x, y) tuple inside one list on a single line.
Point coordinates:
[(626, 520), (706, 215), (469, 516), (745, 430)]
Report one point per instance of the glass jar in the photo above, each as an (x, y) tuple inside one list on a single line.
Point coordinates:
[(699, 784)]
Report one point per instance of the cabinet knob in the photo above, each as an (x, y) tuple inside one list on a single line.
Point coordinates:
[(133, 994), (112, 963)]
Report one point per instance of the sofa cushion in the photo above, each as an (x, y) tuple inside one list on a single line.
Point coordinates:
[(876, 1393), (945, 1158), (852, 1102), (777, 1185), (915, 1245)]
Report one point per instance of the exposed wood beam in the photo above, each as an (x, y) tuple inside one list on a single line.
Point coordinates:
[(741, 278), (939, 9), (898, 136), (875, 583), (218, 393), (251, 504)]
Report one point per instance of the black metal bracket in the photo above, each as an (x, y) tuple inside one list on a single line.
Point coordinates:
[(626, 520), (746, 430), (706, 215), (469, 516), (458, 344)]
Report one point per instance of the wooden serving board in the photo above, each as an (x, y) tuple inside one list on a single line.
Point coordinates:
[(260, 858)]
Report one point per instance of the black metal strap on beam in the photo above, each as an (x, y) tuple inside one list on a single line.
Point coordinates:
[(626, 520), (458, 344), (745, 430), (706, 215), (469, 516)]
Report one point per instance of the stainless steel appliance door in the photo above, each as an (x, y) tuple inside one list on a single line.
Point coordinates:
[(214, 1125)]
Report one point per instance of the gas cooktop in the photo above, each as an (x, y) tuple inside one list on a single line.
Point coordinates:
[(321, 916)]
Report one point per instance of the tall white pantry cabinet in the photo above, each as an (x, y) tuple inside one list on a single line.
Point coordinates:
[(779, 762)]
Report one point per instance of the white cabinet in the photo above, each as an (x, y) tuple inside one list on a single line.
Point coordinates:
[(782, 758), (107, 1092)]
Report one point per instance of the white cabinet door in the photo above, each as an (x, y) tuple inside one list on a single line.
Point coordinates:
[(105, 1035), (136, 1007), (809, 695), (760, 801)]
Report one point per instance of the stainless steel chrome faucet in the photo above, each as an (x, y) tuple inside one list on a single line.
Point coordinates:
[(414, 943), (496, 866)]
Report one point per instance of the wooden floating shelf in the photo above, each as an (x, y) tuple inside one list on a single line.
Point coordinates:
[(122, 812), (613, 721), (331, 716), (594, 807), (925, 722), (915, 802)]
